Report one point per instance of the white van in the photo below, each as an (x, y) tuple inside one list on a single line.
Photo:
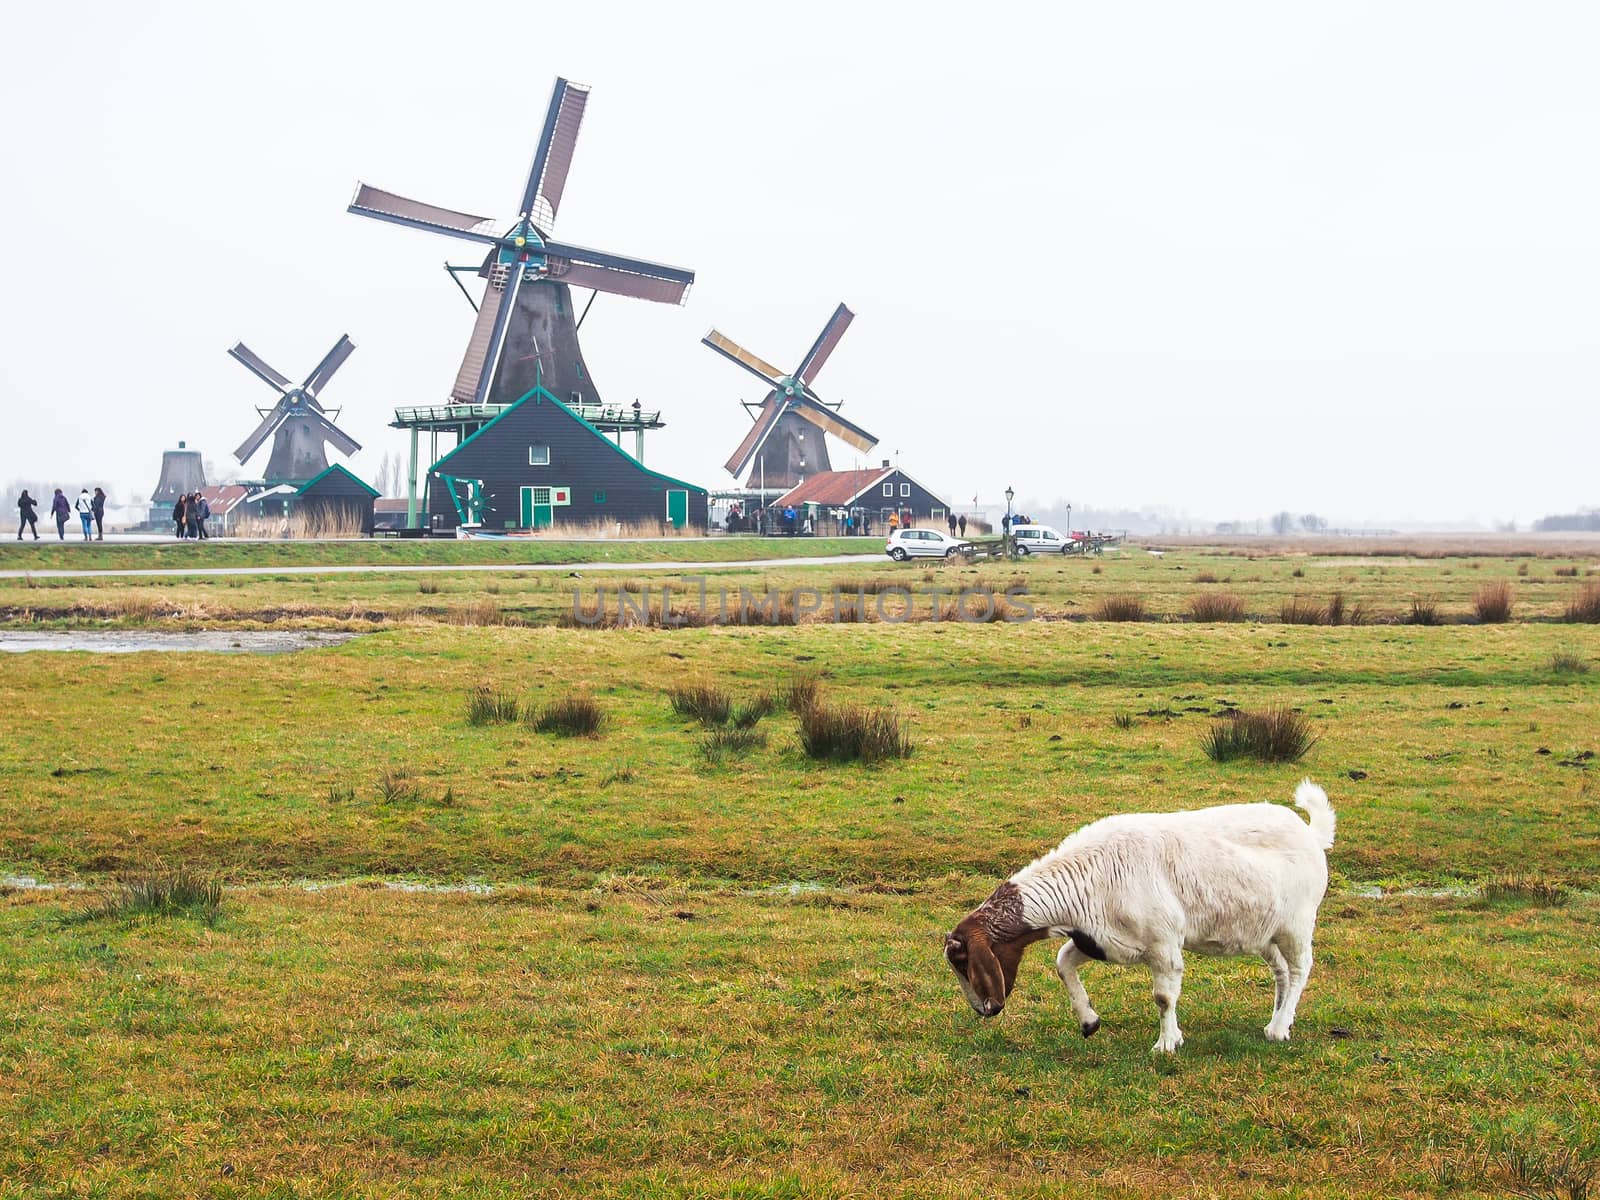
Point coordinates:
[(1042, 539)]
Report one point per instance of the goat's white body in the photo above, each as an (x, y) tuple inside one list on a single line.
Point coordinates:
[(1142, 888)]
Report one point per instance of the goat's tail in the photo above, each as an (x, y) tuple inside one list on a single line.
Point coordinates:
[(1315, 802)]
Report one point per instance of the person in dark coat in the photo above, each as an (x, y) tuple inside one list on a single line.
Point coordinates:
[(950, 520), (60, 510), (177, 514), (961, 522), (97, 506), (202, 514), (28, 510), (191, 514)]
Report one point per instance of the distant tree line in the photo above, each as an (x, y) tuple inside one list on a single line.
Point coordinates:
[(1587, 519)]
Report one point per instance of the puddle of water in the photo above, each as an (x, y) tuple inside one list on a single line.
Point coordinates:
[(131, 641)]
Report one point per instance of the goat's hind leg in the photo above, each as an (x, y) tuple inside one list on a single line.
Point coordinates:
[(1295, 949), (1166, 972), (1280, 979), (1068, 961)]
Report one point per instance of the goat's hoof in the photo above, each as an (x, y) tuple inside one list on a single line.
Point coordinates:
[(1090, 1028), (1274, 1034), (1163, 1046)]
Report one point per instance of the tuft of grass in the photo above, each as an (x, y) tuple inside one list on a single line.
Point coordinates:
[(802, 692), (852, 733), (395, 787), (1216, 606), (621, 773), (1565, 572), (751, 712), (1527, 889), (1492, 603), (1120, 608), (1538, 1173), (1336, 609), (428, 587), (1585, 606), (160, 891), (1301, 610), (485, 706), (703, 702), (1275, 735), (1568, 662), (1123, 720), (1205, 577), (570, 716), (720, 744), (1424, 611)]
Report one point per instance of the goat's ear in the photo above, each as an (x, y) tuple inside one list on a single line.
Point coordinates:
[(955, 949)]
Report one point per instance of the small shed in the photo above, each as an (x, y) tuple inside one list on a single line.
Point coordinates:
[(335, 504)]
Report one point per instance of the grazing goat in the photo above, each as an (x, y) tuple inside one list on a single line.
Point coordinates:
[(1143, 888)]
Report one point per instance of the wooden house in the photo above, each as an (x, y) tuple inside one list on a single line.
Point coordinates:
[(334, 504), (874, 493), (539, 465)]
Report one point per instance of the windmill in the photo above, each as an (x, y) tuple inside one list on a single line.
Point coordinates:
[(785, 445), (525, 331), (300, 425)]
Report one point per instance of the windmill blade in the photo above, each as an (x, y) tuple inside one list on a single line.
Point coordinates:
[(341, 440), (330, 363), (827, 420), (386, 206), (259, 367), (551, 162), (617, 274), (766, 421), (823, 346), (253, 443), (487, 331), (734, 352)]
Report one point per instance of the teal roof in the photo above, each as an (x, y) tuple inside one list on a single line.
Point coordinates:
[(345, 471), (539, 391)]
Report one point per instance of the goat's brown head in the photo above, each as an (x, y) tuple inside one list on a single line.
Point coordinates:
[(986, 948)]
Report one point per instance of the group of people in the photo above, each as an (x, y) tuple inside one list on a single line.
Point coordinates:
[(956, 523), (189, 516), (91, 510)]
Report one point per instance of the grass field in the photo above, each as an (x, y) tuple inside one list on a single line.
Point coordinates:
[(459, 959)]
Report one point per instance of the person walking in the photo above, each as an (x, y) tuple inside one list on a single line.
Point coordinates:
[(191, 515), (60, 510), (85, 509), (177, 515), (203, 514), (28, 510), (894, 522), (961, 522), (950, 520), (98, 506)]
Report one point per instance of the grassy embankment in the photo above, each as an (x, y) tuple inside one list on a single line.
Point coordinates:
[(688, 978)]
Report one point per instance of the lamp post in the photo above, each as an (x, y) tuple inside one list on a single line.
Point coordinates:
[(1006, 541), (1069, 520)]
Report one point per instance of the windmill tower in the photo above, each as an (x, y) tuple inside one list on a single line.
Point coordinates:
[(182, 472), (786, 444), (300, 425), (527, 330)]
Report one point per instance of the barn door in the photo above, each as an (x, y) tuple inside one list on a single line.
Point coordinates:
[(677, 508)]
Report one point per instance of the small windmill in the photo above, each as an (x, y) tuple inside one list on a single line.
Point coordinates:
[(785, 445), (525, 330), (300, 425)]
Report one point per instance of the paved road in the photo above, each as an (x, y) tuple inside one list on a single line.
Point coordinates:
[(443, 568)]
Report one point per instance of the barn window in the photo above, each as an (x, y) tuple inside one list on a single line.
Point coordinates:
[(936, 513), (888, 489), (538, 456), (540, 495), (905, 489), (599, 497)]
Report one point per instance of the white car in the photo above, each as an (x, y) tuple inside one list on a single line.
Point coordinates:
[(1042, 539), (924, 543)]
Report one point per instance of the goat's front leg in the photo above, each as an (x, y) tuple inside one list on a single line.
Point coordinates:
[(1166, 970), (1067, 963)]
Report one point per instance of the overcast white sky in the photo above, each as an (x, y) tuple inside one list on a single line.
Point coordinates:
[(1225, 258)]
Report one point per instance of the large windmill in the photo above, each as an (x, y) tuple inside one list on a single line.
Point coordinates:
[(300, 425), (786, 443), (526, 331)]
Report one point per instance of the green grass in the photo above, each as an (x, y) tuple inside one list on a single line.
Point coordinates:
[(676, 968)]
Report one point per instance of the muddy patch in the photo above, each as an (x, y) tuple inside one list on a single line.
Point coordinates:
[(130, 641)]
